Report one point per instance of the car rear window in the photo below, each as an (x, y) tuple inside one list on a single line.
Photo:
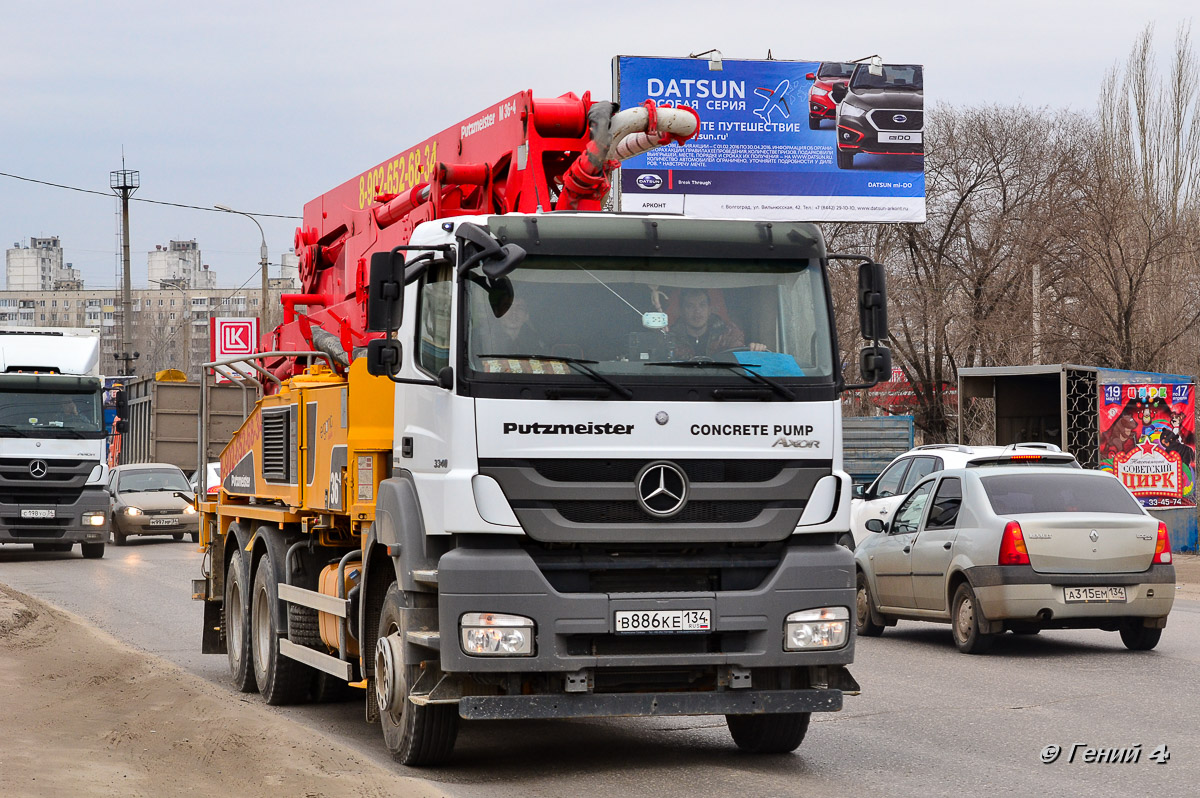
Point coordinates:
[(1016, 494)]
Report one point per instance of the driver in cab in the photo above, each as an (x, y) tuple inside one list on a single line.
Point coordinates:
[(700, 332)]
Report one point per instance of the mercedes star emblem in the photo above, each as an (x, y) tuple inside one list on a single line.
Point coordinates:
[(661, 417), (662, 489), (38, 469), (1094, 536)]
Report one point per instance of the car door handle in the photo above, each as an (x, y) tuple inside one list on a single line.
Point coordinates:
[(883, 512), (947, 545), (907, 549)]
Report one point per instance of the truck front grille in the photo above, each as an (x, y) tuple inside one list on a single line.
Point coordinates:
[(697, 512)]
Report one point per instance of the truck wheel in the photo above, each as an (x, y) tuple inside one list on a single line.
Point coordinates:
[(92, 551), (864, 621), (845, 160), (415, 735), (768, 734), (237, 622), (329, 689), (1139, 638), (965, 620), (280, 680)]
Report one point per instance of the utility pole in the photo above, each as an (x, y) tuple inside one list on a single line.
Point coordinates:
[(264, 307), (123, 183)]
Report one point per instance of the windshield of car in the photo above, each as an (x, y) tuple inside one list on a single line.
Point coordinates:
[(1017, 494), (30, 412), (634, 319), (895, 76), (833, 70), (157, 479)]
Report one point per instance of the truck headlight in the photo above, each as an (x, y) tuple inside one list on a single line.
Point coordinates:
[(825, 627), (94, 519), (494, 634), (133, 511)]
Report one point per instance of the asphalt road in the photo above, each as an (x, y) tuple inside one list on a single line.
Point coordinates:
[(930, 721)]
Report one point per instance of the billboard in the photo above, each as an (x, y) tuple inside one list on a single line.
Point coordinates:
[(232, 336), (788, 140), (1148, 440)]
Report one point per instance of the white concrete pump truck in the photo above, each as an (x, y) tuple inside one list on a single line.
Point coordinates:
[(52, 440), (587, 464)]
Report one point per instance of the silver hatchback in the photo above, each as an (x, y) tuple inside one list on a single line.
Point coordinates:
[(1021, 550)]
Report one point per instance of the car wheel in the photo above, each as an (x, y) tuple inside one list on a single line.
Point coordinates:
[(415, 734), (195, 536), (1139, 638), (118, 535), (845, 159), (768, 734), (281, 680), (178, 536), (966, 620), (864, 623), (92, 551), (237, 622), (814, 123)]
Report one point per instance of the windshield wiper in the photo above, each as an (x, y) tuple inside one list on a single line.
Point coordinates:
[(584, 366), (9, 429), (745, 371)]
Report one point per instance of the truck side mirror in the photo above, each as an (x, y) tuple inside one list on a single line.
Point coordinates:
[(121, 426), (872, 301), (385, 292), (838, 92), (479, 247), (384, 357), (875, 364), (122, 403)]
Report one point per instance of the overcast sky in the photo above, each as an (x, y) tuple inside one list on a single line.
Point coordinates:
[(264, 106)]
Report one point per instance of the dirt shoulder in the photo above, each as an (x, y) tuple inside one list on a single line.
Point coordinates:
[(83, 714), (1187, 576)]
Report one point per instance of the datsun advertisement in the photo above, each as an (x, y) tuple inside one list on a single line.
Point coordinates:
[(788, 140), (1148, 440)]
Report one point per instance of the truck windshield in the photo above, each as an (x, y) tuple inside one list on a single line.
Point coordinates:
[(33, 413), (636, 319)]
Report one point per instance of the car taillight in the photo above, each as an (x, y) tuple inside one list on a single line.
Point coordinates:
[(1162, 549), (1025, 457), (1012, 546)]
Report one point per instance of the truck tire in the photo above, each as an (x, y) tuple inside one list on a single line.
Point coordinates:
[(237, 622), (92, 551), (1137, 637), (965, 621), (280, 680), (768, 734), (329, 689), (415, 735)]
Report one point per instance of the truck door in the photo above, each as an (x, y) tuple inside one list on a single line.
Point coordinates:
[(933, 548)]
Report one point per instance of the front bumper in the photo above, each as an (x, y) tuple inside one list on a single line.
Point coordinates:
[(575, 631), (143, 524), (728, 702), (66, 526), (856, 136), (1020, 593)]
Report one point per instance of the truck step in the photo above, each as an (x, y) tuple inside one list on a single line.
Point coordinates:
[(426, 577), (427, 639)]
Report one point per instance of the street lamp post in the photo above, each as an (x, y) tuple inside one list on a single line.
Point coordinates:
[(262, 311)]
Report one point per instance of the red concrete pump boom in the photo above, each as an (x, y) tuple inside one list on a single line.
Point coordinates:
[(520, 155)]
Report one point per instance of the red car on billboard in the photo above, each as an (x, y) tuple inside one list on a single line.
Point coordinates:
[(821, 104)]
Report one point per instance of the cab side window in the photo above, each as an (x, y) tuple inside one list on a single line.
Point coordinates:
[(433, 319), (908, 517), (889, 481), (946, 502)]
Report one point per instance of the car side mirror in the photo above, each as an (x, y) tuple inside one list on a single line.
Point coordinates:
[(810, 76), (838, 92), (186, 497), (384, 357), (859, 491), (875, 525)]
